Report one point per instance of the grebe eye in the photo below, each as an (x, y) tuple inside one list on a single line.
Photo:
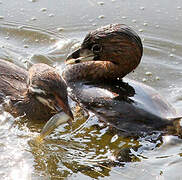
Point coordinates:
[(96, 48)]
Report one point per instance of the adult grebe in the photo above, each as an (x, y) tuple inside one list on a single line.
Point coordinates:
[(94, 75)]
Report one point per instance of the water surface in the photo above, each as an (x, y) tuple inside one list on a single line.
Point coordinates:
[(46, 31)]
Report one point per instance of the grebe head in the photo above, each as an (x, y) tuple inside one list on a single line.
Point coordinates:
[(47, 86), (115, 43)]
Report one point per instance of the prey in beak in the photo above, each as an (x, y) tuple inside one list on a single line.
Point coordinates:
[(49, 88), (63, 115)]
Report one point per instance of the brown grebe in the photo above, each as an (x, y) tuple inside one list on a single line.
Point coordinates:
[(94, 75), (37, 94)]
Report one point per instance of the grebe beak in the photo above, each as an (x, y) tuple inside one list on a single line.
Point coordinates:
[(80, 55), (60, 105), (63, 116)]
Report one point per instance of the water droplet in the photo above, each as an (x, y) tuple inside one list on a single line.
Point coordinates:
[(100, 3), (60, 29), (51, 15), (171, 55), (140, 30), (33, 18), (25, 46), (148, 73), (43, 9), (144, 79), (101, 17)]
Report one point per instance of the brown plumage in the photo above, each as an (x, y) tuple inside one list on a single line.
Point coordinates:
[(116, 50), (95, 74), (37, 94)]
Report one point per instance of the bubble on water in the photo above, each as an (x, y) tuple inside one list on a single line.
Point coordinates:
[(51, 15), (43, 9), (144, 79), (178, 7), (1, 17), (140, 30), (123, 17), (157, 78), (22, 9), (142, 8), (0, 2), (7, 37), (60, 29), (157, 26), (134, 20), (32, 0), (148, 73), (25, 46), (171, 55), (101, 17), (145, 24), (94, 24), (100, 3), (33, 18)]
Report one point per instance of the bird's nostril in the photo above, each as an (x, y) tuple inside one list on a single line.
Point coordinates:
[(77, 61)]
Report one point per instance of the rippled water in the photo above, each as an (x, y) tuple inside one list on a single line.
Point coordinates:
[(46, 31)]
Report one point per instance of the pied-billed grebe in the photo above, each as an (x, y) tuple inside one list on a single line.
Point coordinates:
[(94, 74), (37, 94)]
